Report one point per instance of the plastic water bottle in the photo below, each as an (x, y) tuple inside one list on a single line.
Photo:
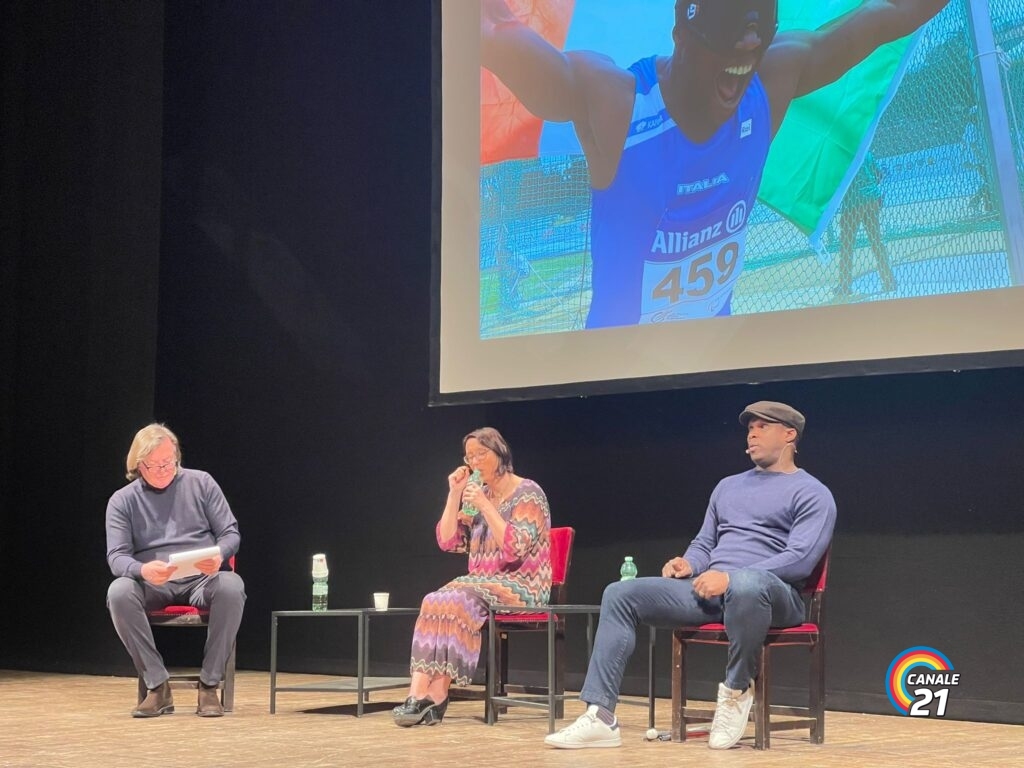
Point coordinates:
[(469, 509), (628, 569), (320, 582)]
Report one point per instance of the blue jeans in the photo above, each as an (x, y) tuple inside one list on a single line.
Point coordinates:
[(754, 601)]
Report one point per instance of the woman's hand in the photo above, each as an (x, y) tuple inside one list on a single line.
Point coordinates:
[(457, 480), (474, 496)]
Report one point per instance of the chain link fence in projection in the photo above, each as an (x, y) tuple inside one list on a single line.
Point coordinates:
[(939, 215)]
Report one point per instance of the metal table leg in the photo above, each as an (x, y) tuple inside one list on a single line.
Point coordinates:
[(551, 671), (273, 664), (360, 668), (366, 658)]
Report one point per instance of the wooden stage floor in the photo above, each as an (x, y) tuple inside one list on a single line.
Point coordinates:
[(79, 721)]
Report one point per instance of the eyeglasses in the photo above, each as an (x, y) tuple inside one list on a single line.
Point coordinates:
[(165, 467), (469, 458)]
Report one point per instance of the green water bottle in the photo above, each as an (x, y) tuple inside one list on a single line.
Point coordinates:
[(469, 509), (628, 569)]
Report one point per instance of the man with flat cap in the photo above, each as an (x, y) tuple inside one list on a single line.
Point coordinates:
[(764, 531)]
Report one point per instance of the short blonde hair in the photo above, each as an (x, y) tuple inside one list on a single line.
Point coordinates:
[(145, 442)]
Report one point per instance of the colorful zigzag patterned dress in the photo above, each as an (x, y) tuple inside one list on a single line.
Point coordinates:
[(516, 571)]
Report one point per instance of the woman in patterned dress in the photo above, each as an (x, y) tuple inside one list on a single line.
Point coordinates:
[(508, 541)]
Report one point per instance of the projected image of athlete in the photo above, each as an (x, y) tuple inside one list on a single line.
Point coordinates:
[(676, 145)]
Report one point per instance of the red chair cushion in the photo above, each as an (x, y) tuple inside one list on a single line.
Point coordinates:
[(802, 628), (522, 617), (184, 610), (714, 627), (178, 610)]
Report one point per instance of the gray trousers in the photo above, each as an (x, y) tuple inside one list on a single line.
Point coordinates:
[(754, 601), (223, 595)]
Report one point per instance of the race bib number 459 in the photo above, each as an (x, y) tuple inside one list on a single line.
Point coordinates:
[(696, 286)]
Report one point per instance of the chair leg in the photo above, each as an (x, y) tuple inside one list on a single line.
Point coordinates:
[(559, 675), (490, 687), (678, 688), (502, 651), (500, 657), (651, 648), (502, 709), (227, 694), (762, 699), (502, 663), (817, 691)]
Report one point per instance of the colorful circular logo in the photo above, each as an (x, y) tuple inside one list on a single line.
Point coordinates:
[(903, 665)]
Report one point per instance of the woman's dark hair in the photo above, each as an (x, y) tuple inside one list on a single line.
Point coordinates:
[(491, 438)]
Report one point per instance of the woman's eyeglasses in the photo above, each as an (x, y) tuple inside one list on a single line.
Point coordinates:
[(469, 458)]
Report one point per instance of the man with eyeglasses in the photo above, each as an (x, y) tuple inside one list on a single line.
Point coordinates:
[(165, 509)]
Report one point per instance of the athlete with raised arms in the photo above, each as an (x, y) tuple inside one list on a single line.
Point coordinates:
[(676, 145)]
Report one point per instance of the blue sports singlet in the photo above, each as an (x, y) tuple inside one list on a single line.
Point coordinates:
[(669, 234)]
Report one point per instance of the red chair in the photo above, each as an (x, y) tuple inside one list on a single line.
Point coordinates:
[(810, 634), (189, 616), (510, 624)]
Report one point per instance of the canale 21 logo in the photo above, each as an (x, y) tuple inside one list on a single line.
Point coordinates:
[(918, 682)]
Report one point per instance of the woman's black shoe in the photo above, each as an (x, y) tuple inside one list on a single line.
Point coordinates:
[(419, 712)]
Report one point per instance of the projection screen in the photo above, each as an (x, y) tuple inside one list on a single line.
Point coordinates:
[(887, 234)]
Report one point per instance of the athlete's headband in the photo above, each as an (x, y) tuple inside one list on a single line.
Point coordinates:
[(720, 24)]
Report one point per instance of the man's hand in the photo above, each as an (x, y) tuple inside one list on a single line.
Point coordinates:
[(157, 572), (711, 584), (210, 565), (676, 568)]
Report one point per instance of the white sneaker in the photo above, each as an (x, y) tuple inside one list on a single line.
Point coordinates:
[(730, 716), (587, 731)]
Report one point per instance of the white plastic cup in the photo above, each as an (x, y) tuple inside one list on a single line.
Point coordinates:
[(380, 600)]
